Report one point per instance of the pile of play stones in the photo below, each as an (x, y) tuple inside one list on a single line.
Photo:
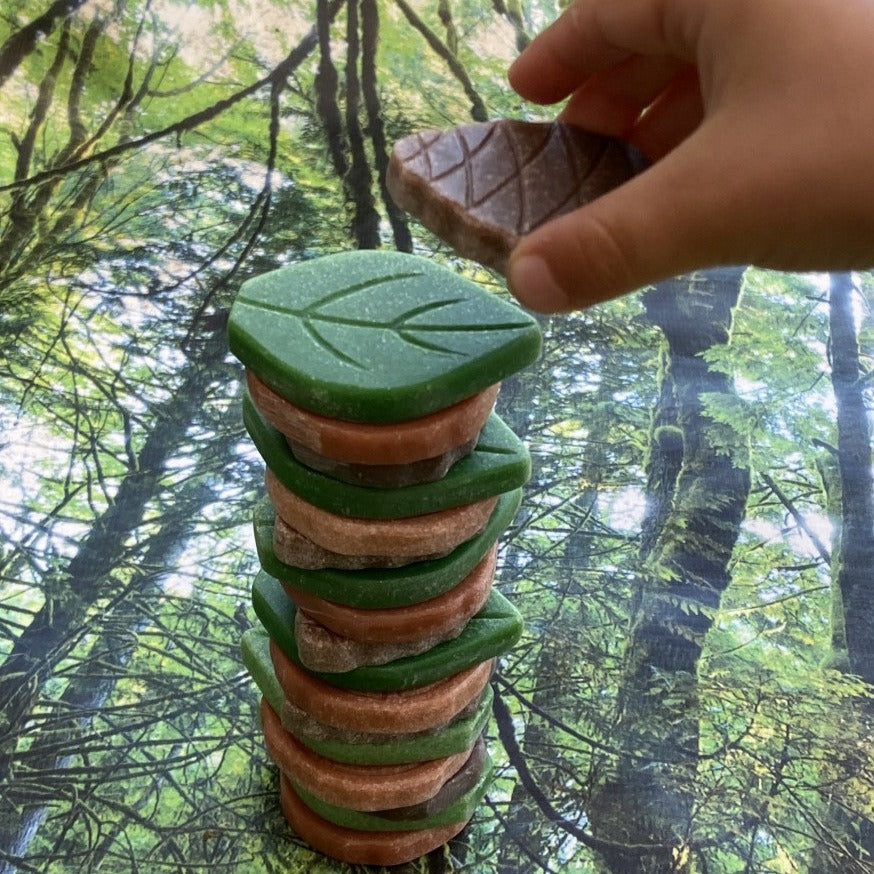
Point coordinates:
[(371, 380)]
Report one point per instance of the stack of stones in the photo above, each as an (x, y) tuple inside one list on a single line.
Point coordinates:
[(371, 383)]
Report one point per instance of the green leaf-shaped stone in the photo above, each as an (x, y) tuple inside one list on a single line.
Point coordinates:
[(489, 634), (377, 336), (453, 738), (499, 463)]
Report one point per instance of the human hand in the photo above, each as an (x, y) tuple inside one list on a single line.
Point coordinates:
[(758, 116)]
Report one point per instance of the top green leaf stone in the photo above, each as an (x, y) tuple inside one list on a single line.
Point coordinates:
[(377, 336)]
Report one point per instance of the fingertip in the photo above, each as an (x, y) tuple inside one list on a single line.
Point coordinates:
[(530, 79), (514, 67), (516, 75), (533, 284), (570, 263)]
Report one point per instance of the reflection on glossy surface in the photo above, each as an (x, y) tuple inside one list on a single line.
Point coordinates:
[(692, 557)]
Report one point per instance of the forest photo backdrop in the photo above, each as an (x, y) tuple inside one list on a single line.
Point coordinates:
[(693, 557)]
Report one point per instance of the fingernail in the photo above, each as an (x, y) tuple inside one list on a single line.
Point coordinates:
[(534, 286)]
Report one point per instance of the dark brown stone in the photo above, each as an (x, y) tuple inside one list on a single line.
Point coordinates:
[(480, 187), (320, 649), (383, 476), (461, 782)]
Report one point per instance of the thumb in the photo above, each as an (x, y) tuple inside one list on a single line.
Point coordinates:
[(661, 223)]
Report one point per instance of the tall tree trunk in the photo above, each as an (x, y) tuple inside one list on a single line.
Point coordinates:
[(403, 239), (857, 485), (365, 218), (25, 209), (512, 11), (648, 798), (849, 488), (22, 42), (326, 86), (664, 460)]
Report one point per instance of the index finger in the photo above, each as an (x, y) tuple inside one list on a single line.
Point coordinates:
[(591, 35)]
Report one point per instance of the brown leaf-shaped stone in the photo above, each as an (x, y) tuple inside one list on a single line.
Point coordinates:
[(320, 649), (480, 187)]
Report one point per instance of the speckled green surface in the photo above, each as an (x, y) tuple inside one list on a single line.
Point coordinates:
[(377, 336)]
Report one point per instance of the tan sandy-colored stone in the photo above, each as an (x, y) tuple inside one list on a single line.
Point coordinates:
[(429, 533), (291, 547), (385, 712), (357, 787)]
